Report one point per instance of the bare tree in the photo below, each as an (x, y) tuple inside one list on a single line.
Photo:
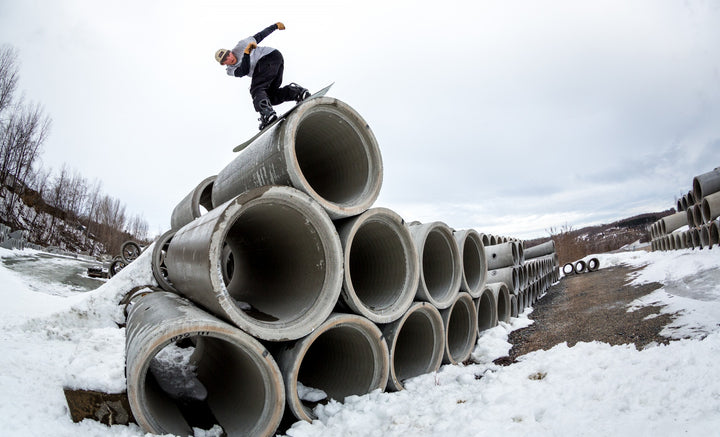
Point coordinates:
[(8, 77)]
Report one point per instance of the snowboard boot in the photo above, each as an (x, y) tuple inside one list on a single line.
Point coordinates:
[(267, 113), (299, 92)]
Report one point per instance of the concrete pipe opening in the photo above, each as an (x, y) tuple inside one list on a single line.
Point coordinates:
[(416, 342), (270, 261), (706, 184), (474, 265), (568, 269), (513, 306), (440, 266), (195, 204), (324, 148), (715, 233), (710, 207), (347, 355), (159, 268), (593, 264), (460, 322), (580, 266), (382, 269), (486, 308), (502, 298), (186, 368)]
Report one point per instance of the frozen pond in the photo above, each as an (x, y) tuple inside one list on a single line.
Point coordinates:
[(53, 274)]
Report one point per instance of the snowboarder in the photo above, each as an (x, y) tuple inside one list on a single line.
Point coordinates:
[(265, 66)]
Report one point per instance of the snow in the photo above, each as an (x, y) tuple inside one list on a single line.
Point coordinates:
[(50, 340)]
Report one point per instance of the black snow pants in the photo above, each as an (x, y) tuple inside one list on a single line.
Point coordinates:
[(266, 80)]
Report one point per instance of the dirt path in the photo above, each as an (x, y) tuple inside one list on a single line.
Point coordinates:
[(590, 306)]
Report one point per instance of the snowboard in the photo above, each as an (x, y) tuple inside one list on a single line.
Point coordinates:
[(320, 93)]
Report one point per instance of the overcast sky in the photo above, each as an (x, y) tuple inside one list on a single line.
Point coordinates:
[(510, 117)]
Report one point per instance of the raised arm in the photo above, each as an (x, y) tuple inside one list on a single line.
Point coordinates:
[(267, 31)]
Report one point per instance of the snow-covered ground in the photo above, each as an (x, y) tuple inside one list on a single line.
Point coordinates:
[(53, 334)]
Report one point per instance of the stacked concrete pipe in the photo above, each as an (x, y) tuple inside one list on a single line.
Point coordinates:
[(487, 309), (190, 206), (474, 263), (706, 184), (460, 323), (501, 295)]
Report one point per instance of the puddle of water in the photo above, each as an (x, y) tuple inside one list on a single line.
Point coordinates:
[(53, 274)]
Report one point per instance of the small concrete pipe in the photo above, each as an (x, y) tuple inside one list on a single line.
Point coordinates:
[(580, 266), (324, 148), (705, 235), (593, 264), (189, 208), (486, 307), (185, 367), (346, 355), (508, 275), (540, 250), (690, 216), (381, 265), (440, 266), (416, 342), (502, 298), (502, 255), (710, 207), (706, 184), (269, 260), (460, 322), (513, 306), (474, 265), (714, 233), (672, 222)]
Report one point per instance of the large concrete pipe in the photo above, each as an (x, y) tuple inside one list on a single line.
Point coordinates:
[(502, 299), (381, 263), (502, 255), (440, 266), (474, 265), (324, 148), (186, 368), (416, 342), (672, 222), (710, 207), (189, 208), (460, 322), (508, 275), (706, 184), (269, 260), (540, 250), (346, 355), (486, 307), (714, 233), (159, 268)]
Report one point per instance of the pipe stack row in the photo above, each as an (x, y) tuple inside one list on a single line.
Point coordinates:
[(284, 287), (695, 225), (581, 266)]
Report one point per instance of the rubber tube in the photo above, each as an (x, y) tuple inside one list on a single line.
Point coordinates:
[(706, 184), (460, 323), (440, 266), (486, 307), (270, 261), (381, 266), (346, 355), (324, 148), (416, 342), (236, 379), (189, 207), (502, 299), (474, 264)]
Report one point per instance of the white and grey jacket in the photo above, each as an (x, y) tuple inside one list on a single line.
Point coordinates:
[(245, 65)]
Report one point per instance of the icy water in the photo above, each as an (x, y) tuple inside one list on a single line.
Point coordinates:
[(54, 274)]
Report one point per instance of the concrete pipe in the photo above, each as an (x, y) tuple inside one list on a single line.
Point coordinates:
[(159, 268), (347, 355), (381, 267), (672, 222), (679, 240), (502, 298), (580, 266), (513, 306), (695, 235), (508, 275), (416, 342), (593, 264), (540, 250), (269, 260), (697, 215), (710, 207), (474, 265), (324, 148), (440, 266), (486, 307), (706, 184), (714, 229), (502, 255), (705, 235), (186, 368), (690, 215), (460, 323), (189, 208)]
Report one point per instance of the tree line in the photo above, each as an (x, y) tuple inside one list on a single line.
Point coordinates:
[(57, 207)]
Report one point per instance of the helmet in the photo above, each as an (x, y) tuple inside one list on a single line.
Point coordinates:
[(220, 54)]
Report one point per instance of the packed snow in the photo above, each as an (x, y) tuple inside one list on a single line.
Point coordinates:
[(54, 333)]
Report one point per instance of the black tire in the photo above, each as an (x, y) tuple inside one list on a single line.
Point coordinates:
[(129, 251), (115, 267), (159, 268)]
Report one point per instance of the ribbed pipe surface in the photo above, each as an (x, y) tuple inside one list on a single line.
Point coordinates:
[(440, 265), (324, 148), (189, 207), (416, 342), (347, 355), (474, 265), (460, 322), (183, 363), (381, 265), (486, 306), (269, 260)]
